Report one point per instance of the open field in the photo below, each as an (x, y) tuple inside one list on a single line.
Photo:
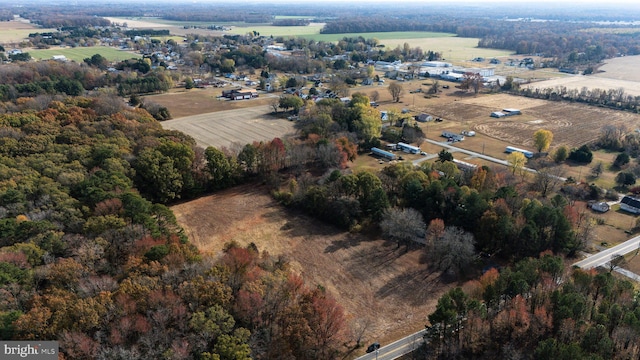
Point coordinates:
[(78, 54), (614, 74), (181, 102), (572, 124), (452, 48), (286, 31), (591, 82), (16, 31), (226, 128), (384, 37), (376, 283), (620, 68)]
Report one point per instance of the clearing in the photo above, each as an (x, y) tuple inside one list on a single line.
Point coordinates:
[(232, 127), (376, 283)]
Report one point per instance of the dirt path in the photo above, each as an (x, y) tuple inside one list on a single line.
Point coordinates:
[(376, 283)]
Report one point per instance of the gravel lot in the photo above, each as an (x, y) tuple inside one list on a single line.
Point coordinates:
[(224, 128)]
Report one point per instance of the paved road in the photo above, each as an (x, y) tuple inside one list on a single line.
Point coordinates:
[(605, 256), (397, 348)]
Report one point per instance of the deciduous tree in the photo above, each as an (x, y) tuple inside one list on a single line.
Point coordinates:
[(396, 90), (403, 226), (542, 139), (516, 161)]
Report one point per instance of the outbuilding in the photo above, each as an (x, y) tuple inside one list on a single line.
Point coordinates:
[(630, 204)]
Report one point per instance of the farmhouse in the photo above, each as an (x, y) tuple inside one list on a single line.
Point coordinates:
[(630, 204)]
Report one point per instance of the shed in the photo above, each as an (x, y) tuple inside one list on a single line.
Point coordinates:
[(601, 207), (630, 204), (424, 117)]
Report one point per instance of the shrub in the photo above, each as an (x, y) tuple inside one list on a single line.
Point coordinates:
[(581, 155)]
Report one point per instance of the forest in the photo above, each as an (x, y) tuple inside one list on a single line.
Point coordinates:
[(90, 255), (537, 311)]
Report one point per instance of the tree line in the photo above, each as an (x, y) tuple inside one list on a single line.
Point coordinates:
[(537, 310)]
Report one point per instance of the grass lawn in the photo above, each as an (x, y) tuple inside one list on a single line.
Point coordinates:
[(80, 53), (164, 39)]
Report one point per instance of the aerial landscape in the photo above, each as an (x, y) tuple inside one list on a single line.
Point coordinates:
[(288, 181)]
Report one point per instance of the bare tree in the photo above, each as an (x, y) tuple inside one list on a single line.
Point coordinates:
[(395, 89), (597, 169), (453, 251), (617, 261), (403, 226), (547, 180), (611, 136), (375, 95), (274, 102), (433, 89)]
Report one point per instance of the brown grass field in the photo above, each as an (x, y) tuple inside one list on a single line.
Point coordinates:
[(376, 283), (615, 73), (13, 32)]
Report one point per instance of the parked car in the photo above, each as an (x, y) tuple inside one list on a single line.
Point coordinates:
[(373, 347)]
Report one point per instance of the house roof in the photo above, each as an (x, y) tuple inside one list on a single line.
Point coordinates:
[(631, 201)]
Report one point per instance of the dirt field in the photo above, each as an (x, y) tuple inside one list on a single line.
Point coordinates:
[(373, 280), (621, 68), (181, 102), (615, 73), (231, 127), (572, 124)]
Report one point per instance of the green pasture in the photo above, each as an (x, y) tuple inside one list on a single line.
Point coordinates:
[(78, 54), (17, 35), (164, 39)]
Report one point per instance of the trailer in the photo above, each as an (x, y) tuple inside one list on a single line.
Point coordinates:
[(452, 136), (383, 154), (510, 149), (408, 148)]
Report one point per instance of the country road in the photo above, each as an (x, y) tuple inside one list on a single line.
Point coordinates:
[(605, 256), (397, 348), (454, 149)]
